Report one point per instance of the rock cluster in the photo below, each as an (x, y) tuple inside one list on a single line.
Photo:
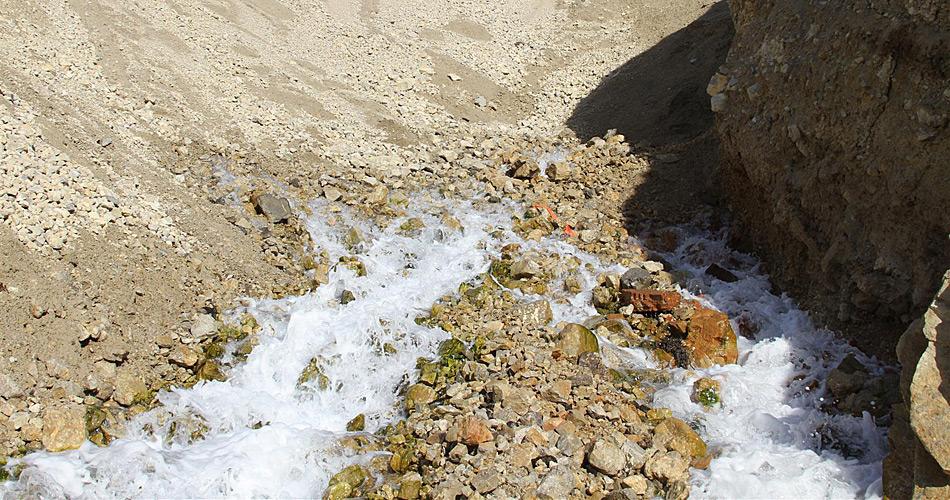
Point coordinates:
[(514, 406)]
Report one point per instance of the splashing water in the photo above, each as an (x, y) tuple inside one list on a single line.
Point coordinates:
[(264, 436), (770, 432)]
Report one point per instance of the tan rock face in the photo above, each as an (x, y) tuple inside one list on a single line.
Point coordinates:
[(919, 463), (929, 409), (710, 339), (64, 428)]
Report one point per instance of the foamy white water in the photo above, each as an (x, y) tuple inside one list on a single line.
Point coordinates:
[(266, 437), (772, 438)]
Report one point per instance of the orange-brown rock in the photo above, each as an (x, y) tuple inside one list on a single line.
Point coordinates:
[(710, 339), (650, 300), (474, 431)]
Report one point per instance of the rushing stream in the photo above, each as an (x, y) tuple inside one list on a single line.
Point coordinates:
[(263, 436)]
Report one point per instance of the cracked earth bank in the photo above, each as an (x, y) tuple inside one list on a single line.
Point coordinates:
[(283, 205)]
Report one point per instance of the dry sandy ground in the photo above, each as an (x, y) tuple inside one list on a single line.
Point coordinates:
[(131, 134)]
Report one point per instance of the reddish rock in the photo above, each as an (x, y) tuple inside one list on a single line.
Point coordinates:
[(710, 339), (650, 300), (474, 431)]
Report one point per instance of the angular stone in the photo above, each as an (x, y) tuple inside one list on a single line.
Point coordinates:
[(525, 268), (275, 208), (535, 314), (674, 434), (706, 392), (419, 395), (486, 481), (557, 484), (203, 326), (667, 467), (64, 428), (410, 486), (635, 278), (474, 431), (576, 339), (343, 483), (606, 458), (721, 273), (183, 356), (358, 423), (710, 339), (129, 389), (645, 300)]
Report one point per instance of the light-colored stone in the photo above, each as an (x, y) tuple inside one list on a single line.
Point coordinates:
[(64, 427), (606, 457)]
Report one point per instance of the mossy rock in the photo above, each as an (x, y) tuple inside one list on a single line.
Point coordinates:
[(211, 370), (402, 459), (576, 339), (314, 372), (353, 476), (452, 349), (412, 227), (354, 264), (358, 423)]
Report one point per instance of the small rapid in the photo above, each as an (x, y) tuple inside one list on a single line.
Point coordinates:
[(263, 433)]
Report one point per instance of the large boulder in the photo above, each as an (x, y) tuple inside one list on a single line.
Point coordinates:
[(710, 339), (919, 463)]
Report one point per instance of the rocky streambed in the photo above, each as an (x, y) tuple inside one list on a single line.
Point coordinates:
[(496, 332)]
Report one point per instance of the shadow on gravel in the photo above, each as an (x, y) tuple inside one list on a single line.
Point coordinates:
[(658, 101)]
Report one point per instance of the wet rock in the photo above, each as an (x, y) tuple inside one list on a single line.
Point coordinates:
[(645, 300), (606, 458), (706, 392), (604, 299), (721, 273), (313, 372), (354, 239), (358, 423), (64, 427), (525, 268), (557, 484), (275, 208), (474, 431), (710, 339), (674, 434), (576, 339), (345, 482), (848, 377)]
